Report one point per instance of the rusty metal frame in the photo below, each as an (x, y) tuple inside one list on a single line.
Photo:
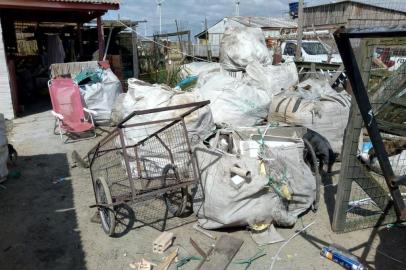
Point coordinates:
[(133, 194), (342, 37)]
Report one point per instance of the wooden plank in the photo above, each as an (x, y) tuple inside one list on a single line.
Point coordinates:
[(224, 251), (351, 139), (399, 102), (392, 128)]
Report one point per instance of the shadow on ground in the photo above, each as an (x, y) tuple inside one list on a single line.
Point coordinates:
[(38, 228)]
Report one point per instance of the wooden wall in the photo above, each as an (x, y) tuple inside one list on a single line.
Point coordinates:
[(352, 15), (6, 105)]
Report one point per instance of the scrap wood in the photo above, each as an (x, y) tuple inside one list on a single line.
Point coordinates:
[(168, 260), (142, 265), (201, 230), (224, 251)]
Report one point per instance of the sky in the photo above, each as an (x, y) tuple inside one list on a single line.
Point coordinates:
[(191, 14)]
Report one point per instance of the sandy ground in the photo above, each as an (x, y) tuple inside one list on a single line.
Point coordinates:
[(45, 224)]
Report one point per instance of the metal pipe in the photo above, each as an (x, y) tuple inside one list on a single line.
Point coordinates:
[(241, 172)]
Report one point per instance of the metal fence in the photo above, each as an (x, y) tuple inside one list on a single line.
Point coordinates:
[(363, 197)]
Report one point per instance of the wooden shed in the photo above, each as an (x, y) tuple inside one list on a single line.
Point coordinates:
[(25, 26), (354, 14)]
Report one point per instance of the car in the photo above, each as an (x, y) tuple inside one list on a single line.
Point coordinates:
[(312, 51)]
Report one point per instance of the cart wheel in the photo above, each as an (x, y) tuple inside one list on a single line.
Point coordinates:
[(311, 160), (175, 201), (107, 216)]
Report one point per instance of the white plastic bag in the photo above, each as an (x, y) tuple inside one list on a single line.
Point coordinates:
[(233, 101), (101, 96), (219, 204), (142, 96), (198, 68), (242, 45), (272, 78), (315, 105)]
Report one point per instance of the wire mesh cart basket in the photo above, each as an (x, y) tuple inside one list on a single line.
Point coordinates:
[(148, 155)]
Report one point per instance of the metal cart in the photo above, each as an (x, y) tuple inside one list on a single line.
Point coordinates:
[(147, 155)]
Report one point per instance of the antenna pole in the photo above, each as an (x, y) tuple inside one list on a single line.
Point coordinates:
[(160, 17)]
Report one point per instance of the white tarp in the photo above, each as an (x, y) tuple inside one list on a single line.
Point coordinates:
[(242, 45), (219, 204), (315, 105), (101, 96), (234, 101)]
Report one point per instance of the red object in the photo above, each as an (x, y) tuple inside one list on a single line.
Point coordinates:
[(67, 107)]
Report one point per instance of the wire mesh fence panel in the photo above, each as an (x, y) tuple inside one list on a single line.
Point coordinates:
[(363, 196)]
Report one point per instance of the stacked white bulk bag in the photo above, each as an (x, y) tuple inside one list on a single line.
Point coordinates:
[(3, 149), (272, 78), (242, 45), (142, 96), (234, 101), (198, 68), (218, 203), (315, 105)]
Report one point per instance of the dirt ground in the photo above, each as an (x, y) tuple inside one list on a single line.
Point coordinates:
[(45, 222)]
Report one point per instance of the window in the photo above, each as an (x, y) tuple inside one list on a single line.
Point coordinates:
[(314, 48), (290, 49)]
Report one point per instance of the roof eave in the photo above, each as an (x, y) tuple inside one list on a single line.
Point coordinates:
[(52, 5)]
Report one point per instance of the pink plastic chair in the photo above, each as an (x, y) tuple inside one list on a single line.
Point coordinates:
[(70, 115)]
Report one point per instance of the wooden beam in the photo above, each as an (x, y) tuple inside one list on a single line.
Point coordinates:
[(100, 38), (53, 5)]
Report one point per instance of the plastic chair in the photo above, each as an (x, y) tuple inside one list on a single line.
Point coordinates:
[(70, 115)]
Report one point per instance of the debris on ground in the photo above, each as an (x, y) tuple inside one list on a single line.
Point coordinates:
[(168, 260), (249, 261), (204, 232), (266, 235), (162, 242), (142, 265), (223, 253), (341, 257)]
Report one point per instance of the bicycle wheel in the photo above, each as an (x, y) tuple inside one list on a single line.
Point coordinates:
[(175, 201), (107, 215)]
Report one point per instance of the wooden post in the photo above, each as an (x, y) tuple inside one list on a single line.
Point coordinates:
[(207, 40), (136, 68), (100, 38), (299, 32), (80, 39)]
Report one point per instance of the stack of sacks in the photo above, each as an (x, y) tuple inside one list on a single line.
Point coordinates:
[(243, 99), (315, 105), (142, 96), (243, 45)]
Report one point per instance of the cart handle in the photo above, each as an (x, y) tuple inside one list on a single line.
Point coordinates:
[(195, 105)]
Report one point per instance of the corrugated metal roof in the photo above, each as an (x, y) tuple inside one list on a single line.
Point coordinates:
[(113, 2), (264, 22), (396, 5)]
